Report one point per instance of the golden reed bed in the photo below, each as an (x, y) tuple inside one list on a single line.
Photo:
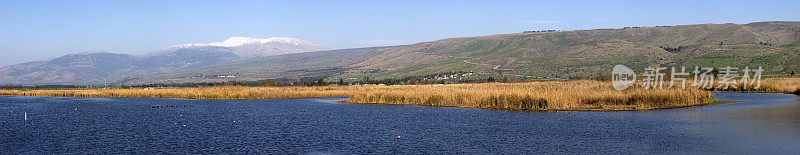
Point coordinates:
[(773, 85), (560, 95), (564, 95)]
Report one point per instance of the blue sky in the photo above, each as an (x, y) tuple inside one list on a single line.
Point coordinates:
[(35, 30)]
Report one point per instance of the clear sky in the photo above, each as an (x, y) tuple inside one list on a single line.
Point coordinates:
[(35, 30)]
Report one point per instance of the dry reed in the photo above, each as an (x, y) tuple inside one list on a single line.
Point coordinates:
[(770, 85), (563, 95), (559, 95)]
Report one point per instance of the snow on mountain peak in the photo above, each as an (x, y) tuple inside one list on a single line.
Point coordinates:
[(239, 41)]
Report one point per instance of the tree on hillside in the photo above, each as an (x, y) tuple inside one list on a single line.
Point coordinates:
[(505, 79), (715, 72), (412, 81), (269, 82), (792, 73), (491, 79), (233, 83), (341, 81), (366, 79), (321, 82)]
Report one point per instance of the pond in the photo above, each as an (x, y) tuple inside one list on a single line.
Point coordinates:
[(766, 124)]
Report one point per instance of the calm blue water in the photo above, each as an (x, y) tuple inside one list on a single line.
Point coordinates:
[(768, 124)]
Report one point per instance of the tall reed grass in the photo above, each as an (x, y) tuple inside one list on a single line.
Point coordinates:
[(559, 95), (216, 92), (562, 95), (770, 85)]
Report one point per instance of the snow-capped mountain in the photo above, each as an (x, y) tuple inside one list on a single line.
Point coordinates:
[(239, 41), (90, 67), (253, 47)]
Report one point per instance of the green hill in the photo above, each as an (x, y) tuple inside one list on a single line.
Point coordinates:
[(309, 65), (560, 54), (587, 53)]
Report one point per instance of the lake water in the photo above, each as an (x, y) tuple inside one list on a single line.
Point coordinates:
[(768, 124)]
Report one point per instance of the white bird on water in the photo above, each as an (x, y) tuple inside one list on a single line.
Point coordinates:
[(26, 117)]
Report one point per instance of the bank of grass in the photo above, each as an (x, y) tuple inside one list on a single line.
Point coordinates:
[(780, 85), (556, 95), (785, 85), (559, 95), (215, 92)]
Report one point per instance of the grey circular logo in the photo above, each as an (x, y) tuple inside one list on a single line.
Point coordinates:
[(622, 77)]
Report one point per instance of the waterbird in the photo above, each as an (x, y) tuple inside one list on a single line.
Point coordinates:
[(184, 125), (398, 137), (26, 117)]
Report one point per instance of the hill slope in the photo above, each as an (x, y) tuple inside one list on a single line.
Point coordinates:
[(773, 45), (320, 64), (562, 54), (100, 67)]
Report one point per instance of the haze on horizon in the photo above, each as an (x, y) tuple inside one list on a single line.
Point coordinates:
[(36, 30)]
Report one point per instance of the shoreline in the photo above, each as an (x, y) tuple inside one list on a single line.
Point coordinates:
[(717, 102), (574, 95)]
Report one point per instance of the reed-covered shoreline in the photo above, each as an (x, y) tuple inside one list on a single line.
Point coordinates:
[(558, 95), (554, 95), (784, 85)]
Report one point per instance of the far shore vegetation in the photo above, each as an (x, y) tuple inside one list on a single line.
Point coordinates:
[(505, 95), (785, 85)]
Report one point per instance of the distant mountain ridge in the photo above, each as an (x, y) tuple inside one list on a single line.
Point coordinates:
[(773, 45), (254, 47), (319, 64), (97, 67), (534, 55)]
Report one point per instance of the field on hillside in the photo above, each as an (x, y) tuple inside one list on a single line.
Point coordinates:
[(558, 95)]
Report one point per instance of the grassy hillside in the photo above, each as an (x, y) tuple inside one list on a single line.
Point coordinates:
[(561, 54), (311, 65), (74, 68), (587, 53)]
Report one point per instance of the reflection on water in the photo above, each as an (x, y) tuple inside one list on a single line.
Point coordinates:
[(770, 123), (760, 126)]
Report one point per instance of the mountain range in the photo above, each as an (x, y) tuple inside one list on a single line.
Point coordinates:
[(91, 68), (528, 55)]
